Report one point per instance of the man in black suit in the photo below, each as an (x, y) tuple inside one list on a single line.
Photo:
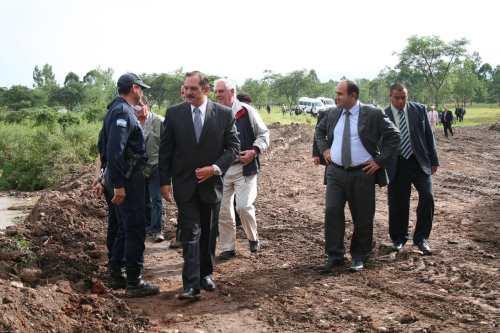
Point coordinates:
[(416, 162), (356, 141), (198, 145)]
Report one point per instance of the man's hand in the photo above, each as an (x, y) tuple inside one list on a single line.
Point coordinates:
[(166, 192), (247, 156), (371, 167), (316, 160), (327, 156), (119, 196), (97, 188), (204, 173), (434, 169)]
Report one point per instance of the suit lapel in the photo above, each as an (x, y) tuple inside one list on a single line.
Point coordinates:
[(411, 117), (188, 119), (361, 119), (209, 115), (335, 120)]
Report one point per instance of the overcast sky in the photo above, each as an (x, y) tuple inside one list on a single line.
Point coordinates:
[(234, 38)]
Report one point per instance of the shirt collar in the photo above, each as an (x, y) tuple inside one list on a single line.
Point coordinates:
[(202, 107), (355, 109), (393, 108)]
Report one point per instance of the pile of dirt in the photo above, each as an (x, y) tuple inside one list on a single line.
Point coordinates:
[(52, 267)]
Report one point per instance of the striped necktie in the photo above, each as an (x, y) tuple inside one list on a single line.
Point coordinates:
[(406, 150)]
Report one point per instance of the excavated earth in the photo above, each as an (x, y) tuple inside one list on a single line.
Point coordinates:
[(52, 266)]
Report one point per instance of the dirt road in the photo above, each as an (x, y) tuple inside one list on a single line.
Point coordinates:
[(280, 289)]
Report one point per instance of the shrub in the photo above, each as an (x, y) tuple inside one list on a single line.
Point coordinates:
[(34, 158)]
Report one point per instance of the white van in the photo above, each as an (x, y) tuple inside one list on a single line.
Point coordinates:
[(327, 101), (311, 105)]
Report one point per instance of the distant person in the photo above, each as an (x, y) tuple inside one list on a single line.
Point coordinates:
[(240, 180), (125, 157), (416, 163), (268, 108), (198, 145), (356, 140), (461, 114), (447, 121), (152, 126), (433, 117)]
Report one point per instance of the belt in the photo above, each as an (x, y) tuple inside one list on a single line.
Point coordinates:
[(353, 168)]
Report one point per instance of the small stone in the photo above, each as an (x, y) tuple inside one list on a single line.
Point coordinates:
[(382, 329), (98, 287), (17, 284), (11, 230), (86, 308), (407, 319), (30, 275)]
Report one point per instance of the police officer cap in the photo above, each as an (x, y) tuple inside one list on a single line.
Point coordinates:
[(128, 79)]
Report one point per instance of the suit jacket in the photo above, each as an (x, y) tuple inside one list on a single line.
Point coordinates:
[(377, 133), (421, 138), (180, 154), (315, 150)]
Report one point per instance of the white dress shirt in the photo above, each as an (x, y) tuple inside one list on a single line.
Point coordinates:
[(203, 109), (359, 154)]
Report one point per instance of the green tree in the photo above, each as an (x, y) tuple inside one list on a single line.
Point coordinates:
[(432, 58)]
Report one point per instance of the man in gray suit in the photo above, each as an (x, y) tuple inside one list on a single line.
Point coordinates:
[(349, 137), (416, 162)]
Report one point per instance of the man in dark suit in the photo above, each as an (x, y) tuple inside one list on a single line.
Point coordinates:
[(416, 162), (349, 137), (198, 145)]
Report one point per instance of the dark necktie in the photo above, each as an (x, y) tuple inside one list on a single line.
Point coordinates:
[(406, 150), (346, 141), (198, 125)]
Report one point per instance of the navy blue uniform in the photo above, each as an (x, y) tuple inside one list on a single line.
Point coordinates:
[(124, 155), (113, 223)]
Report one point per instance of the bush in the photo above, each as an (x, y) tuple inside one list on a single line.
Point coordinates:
[(34, 158)]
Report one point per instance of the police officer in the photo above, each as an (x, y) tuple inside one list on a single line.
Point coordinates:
[(125, 156)]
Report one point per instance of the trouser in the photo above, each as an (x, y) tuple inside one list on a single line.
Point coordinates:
[(357, 189), (195, 222), (214, 231), (447, 127), (115, 245), (245, 189), (132, 228), (409, 172), (154, 208)]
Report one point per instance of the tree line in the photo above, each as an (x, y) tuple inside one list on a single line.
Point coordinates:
[(434, 70)]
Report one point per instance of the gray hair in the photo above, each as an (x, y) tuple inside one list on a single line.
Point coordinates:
[(229, 84)]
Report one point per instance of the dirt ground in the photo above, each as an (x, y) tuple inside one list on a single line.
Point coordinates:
[(279, 289)]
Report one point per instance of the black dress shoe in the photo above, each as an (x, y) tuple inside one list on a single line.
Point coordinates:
[(226, 255), (357, 265), (207, 283), (141, 289), (190, 294), (397, 246), (254, 246), (424, 247), (332, 262)]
